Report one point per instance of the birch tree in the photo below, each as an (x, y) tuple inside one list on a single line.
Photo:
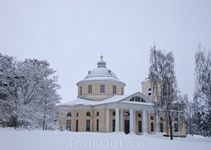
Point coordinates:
[(162, 76), (202, 94)]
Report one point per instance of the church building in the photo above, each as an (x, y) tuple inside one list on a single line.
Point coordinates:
[(102, 106)]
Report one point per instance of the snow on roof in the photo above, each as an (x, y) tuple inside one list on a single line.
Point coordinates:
[(101, 72), (101, 78), (79, 101), (113, 99)]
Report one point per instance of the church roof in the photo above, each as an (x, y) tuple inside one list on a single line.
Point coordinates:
[(116, 98), (101, 71)]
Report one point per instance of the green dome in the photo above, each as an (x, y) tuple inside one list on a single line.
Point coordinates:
[(101, 64)]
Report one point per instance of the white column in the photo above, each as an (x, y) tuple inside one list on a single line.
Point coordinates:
[(131, 122), (156, 123), (144, 121), (134, 121), (117, 119), (121, 120), (107, 120)]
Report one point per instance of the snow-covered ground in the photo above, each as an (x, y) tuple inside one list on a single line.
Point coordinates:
[(11, 139)]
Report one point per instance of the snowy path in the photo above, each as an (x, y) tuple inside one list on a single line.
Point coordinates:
[(11, 139)]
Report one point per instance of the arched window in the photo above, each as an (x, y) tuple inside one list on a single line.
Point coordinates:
[(69, 114), (161, 119), (77, 114), (137, 99), (114, 113), (97, 113), (139, 114), (132, 99), (88, 113), (142, 100), (151, 118)]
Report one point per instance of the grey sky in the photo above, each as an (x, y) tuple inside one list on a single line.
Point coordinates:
[(72, 34)]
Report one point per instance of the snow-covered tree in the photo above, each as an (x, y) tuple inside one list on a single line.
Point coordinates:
[(31, 93), (202, 94), (7, 67), (162, 76)]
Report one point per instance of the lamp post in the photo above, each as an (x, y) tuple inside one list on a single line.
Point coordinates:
[(126, 132)]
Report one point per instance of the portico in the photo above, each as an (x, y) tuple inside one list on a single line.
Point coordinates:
[(120, 117)]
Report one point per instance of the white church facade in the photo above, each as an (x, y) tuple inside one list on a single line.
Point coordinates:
[(102, 106)]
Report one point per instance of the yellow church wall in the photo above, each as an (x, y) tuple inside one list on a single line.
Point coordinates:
[(96, 89)]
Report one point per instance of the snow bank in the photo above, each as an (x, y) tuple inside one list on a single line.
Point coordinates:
[(11, 139)]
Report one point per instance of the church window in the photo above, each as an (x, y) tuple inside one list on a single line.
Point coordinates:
[(102, 88), (132, 99), (142, 100), (152, 127), (88, 113), (137, 99), (77, 114), (176, 127), (122, 91), (87, 125), (114, 89), (151, 118), (139, 114), (97, 113), (69, 114), (114, 113), (97, 125), (68, 125), (176, 124), (113, 125), (81, 90), (139, 126), (161, 127), (89, 89)]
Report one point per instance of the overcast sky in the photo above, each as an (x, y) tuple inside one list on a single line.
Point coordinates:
[(71, 35)]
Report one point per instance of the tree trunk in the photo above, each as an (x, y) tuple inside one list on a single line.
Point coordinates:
[(43, 127), (170, 127)]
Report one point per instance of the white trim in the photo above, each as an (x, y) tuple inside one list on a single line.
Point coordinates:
[(101, 80)]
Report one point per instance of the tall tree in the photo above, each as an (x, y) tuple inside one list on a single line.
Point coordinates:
[(202, 94), (7, 67), (31, 93), (162, 76)]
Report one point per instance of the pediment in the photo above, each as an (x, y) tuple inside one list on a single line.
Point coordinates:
[(137, 97)]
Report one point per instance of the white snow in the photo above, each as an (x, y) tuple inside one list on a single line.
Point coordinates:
[(11, 139), (116, 98)]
